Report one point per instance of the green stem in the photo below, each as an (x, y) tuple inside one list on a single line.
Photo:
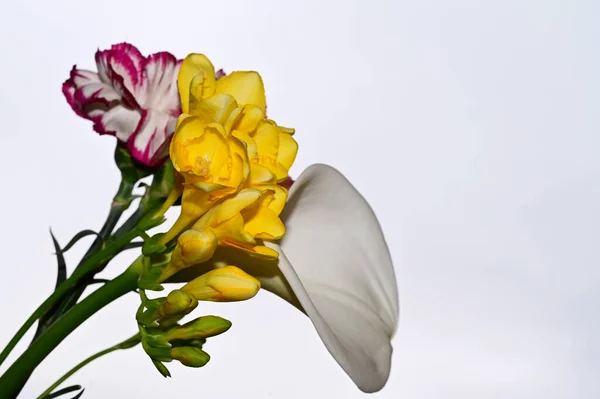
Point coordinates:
[(128, 343), (119, 205), (13, 380), (88, 266)]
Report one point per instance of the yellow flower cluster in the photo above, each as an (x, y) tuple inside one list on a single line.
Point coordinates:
[(231, 158)]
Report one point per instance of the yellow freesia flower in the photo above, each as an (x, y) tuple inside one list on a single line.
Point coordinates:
[(197, 81), (241, 222), (238, 102)]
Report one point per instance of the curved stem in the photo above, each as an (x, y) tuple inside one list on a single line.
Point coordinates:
[(88, 265), (13, 380), (128, 343)]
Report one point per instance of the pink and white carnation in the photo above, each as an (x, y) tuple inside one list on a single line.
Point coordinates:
[(132, 97)]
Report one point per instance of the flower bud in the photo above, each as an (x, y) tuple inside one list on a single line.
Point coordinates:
[(202, 327), (193, 246), (225, 284), (177, 303), (190, 356)]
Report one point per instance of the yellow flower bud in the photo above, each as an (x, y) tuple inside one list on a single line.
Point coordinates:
[(225, 284), (193, 247)]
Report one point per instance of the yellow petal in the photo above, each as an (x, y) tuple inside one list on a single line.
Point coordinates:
[(261, 175), (229, 208), (194, 204), (233, 230), (249, 143), (215, 109), (263, 223), (254, 250), (267, 139), (288, 148), (277, 198), (245, 87), (248, 118), (198, 69)]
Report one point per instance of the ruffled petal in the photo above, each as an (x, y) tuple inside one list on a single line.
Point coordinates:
[(147, 143), (120, 68), (160, 83), (245, 87), (196, 77), (336, 260), (118, 121)]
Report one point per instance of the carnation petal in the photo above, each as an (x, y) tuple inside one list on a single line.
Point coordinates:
[(118, 121), (149, 137), (160, 74)]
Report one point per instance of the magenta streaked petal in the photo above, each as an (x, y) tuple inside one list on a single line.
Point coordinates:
[(161, 83), (82, 77), (118, 70), (132, 52), (220, 73), (147, 143), (68, 89), (104, 71), (95, 92), (129, 71), (118, 121)]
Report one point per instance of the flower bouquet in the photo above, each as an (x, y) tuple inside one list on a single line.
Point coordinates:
[(204, 138)]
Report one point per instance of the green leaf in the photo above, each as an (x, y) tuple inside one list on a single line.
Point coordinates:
[(64, 391), (79, 394), (79, 236), (60, 259)]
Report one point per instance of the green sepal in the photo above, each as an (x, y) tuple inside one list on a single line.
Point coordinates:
[(148, 280), (152, 245), (156, 342), (148, 317), (162, 369), (130, 169)]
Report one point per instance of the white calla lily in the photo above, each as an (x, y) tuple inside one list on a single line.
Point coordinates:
[(336, 261)]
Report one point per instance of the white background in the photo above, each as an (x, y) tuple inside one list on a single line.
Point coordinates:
[(472, 128)]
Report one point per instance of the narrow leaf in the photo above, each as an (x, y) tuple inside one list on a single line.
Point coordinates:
[(78, 236), (62, 267), (63, 391)]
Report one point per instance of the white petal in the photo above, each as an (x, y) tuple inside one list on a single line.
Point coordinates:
[(336, 261), (119, 121)]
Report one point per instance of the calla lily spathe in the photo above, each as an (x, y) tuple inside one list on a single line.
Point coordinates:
[(131, 97), (335, 266)]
